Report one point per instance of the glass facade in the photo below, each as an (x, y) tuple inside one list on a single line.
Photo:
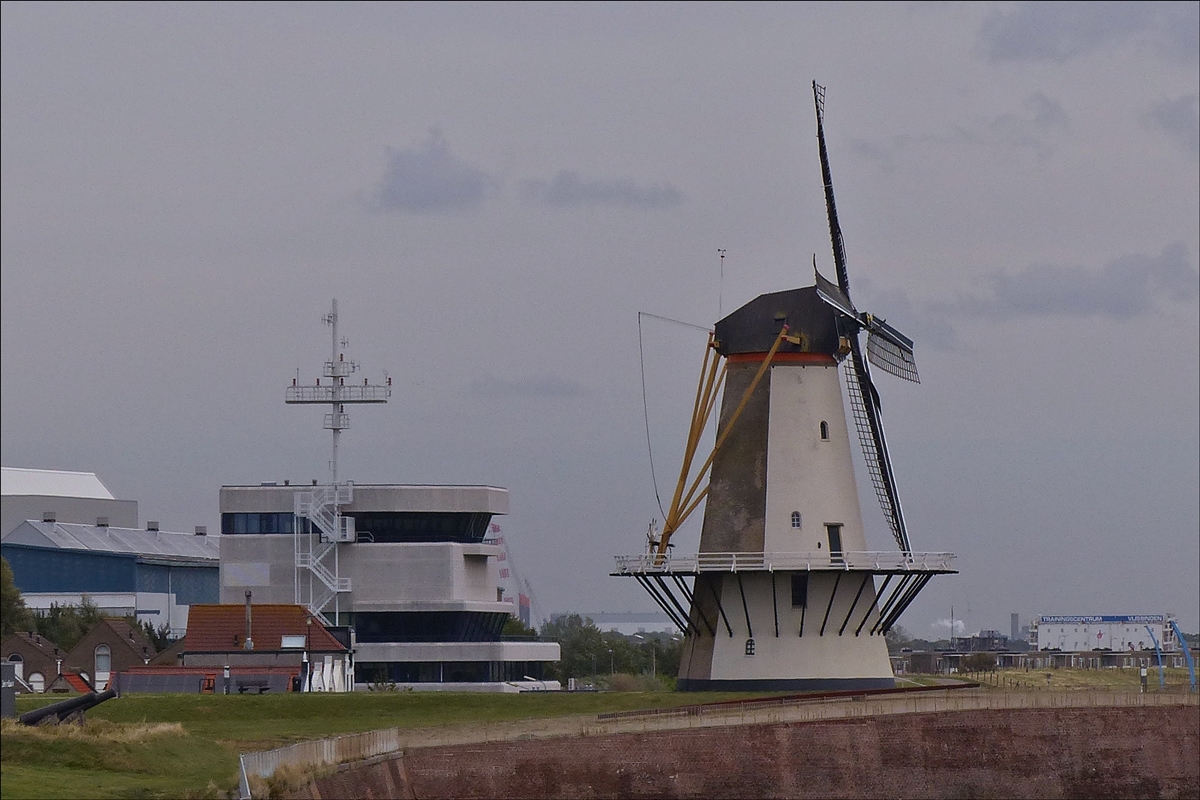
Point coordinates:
[(261, 523), (381, 527), (420, 526), (447, 671), (429, 626)]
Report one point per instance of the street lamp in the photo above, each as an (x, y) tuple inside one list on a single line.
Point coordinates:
[(307, 647)]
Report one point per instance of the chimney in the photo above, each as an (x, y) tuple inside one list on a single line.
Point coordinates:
[(287, 482), (314, 481), (152, 525), (101, 522), (202, 530), (249, 643), (50, 516)]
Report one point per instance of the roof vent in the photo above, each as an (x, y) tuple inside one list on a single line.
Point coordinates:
[(202, 530), (287, 482), (101, 522), (152, 525), (49, 516)]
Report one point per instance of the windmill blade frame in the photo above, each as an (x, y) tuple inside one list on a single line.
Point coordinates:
[(864, 399), (895, 359)]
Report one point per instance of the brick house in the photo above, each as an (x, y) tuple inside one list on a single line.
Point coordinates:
[(112, 646), (36, 658)]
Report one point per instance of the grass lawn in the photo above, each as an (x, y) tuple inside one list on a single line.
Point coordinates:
[(197, 758)]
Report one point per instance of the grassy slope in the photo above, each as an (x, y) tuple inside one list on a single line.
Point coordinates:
[(204, 760), (219, 727)]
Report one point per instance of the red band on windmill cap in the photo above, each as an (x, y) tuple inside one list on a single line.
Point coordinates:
[(814, 359)]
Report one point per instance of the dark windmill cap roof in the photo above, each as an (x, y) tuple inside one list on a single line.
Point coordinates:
[(754, 326)]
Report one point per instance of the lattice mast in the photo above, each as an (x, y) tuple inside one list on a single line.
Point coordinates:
[(317, 580)]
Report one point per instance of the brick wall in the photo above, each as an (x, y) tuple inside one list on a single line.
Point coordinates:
[(1009, 753)]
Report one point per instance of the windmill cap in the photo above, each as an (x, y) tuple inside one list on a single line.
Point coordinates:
[(810, 323)]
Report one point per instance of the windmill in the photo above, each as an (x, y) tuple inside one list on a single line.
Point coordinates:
[(783, 592)]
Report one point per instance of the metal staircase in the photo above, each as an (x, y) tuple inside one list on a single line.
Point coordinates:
[(318, 583)]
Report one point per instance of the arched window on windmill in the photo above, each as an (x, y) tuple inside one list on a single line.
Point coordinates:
[(824, 431), (796, 520)]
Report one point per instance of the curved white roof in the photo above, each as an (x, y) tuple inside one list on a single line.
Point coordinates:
[(52, 483)]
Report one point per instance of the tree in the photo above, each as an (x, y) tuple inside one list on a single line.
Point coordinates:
[(160, 637), (514, 627), (13, 614), (588, 652), (66, 625), (897, 639)]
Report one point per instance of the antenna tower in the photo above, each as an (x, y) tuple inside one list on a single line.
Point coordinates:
[(320, 526)]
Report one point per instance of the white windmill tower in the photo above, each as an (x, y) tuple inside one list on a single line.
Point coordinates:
[(783, 592)]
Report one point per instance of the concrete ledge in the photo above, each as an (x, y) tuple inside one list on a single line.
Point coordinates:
[(784, 684), (456, 651)]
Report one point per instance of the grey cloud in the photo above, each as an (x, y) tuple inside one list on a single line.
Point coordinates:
[(532, 386), (927, 323), (569, 190), (1058, 31), (1180, 120), (430, 179), (1123, 288), (1033, 128)]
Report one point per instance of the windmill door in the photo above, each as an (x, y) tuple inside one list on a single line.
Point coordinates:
[(834, 530)]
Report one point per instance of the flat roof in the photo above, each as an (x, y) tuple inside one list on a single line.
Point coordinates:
[(125, 541), (52, 483)]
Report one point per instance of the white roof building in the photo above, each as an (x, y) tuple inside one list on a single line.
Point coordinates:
[(52, 483), (62, 496)]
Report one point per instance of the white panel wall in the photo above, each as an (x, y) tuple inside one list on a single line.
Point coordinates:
[(804, 472)]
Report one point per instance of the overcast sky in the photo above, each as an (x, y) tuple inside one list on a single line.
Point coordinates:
[(493, 193)]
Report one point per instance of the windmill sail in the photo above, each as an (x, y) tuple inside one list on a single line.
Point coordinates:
[(864, 403), (890, 356), (864, 400)]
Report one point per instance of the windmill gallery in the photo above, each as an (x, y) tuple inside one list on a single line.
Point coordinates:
[(783, 592)]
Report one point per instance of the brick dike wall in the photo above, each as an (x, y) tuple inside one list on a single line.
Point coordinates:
[(1005, 753)]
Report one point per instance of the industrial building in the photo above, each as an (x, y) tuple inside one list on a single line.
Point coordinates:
[(1079, 634), (146, 573), (79, 497), (418, 582)]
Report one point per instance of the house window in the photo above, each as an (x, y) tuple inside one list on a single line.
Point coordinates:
[(795, 519), (824, 431), (18, 664), (103, 659), (37, 682)]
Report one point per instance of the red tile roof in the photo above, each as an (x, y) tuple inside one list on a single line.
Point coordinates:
[(77, 682), (222, 628)]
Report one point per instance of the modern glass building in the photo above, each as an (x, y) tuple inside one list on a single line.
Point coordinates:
[(419, 582)]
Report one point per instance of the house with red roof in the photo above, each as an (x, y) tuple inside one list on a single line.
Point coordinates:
[(249, 648)]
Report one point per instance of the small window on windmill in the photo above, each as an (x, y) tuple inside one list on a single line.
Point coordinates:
[(824, 431), (750, 647), (795, 519)]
